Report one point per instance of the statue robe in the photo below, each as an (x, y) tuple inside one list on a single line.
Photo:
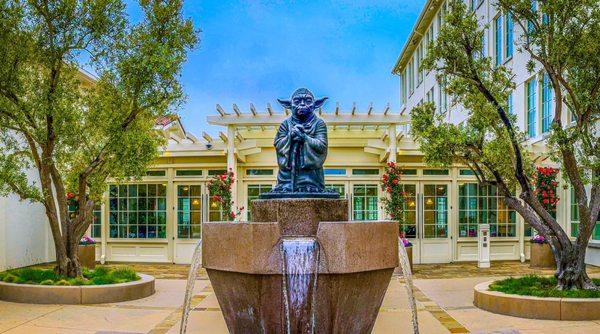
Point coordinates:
[(301, 162)]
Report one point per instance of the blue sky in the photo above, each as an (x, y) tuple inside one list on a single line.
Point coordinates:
[(257, 51)]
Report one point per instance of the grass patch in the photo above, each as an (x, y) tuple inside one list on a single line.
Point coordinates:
[(540, 286), (102, 275)]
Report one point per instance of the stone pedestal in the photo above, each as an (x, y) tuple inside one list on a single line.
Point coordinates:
[(244, 264), (87, 256), (541, 256)]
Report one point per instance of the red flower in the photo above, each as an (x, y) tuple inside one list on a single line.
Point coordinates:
[(232, 215), (70, 195), (546, 201), (395, 182), (389, 190)]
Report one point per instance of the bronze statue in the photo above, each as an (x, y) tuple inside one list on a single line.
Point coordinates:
[(301, 145)]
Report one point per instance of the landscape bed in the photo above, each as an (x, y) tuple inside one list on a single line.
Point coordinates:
[(535, 297), (101, 275), (101, 285)]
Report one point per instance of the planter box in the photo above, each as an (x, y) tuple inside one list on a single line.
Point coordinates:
[(577, 309), (85, 294), (87, 256), (541, 256), (409, 252)]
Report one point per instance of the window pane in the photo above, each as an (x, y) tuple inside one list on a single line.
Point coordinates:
[(136, 210)]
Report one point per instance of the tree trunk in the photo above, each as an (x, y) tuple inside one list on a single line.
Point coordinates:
[(571, 270), (67, 264)]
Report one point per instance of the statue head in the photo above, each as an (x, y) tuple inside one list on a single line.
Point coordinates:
[(302, 104)]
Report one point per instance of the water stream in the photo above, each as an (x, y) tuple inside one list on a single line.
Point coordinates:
[(408, 283), (300, 266), (189, 289)]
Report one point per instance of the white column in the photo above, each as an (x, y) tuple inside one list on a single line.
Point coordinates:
[(232, 163), (393, 143)]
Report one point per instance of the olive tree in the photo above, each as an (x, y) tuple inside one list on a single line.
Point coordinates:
[(74, 132), (561, 39)]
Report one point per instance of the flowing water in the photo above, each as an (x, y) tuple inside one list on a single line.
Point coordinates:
[(300, 266), (189, 290), (408, 283)]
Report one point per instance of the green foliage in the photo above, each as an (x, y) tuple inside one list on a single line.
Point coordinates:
[(99, 276), (482, 140), (390, 183), (75, 131), (540, 286), (219, 188)]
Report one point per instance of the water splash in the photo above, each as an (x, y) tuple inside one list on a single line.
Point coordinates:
[(189, 289), (300, 266), (408, 283)]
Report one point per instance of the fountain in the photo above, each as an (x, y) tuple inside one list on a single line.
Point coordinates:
[(301, 266), (408, 283)]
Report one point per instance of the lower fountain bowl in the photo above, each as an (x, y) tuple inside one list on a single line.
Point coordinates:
[(244, 264)]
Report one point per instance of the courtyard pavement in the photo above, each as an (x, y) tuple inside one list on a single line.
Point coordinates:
[(444, 297)]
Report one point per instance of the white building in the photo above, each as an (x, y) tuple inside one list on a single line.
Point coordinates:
[(531, 101), (158, 219)]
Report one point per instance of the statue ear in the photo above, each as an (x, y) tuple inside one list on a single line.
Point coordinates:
[(319, 102), (285, 103)]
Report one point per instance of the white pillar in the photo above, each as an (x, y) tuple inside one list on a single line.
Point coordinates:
[(393, 143), (232, 163)]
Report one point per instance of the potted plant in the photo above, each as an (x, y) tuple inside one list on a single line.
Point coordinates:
[(87, 252), (541, 253)]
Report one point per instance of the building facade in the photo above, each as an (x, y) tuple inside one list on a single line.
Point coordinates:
[(531, 101), (158, 218)]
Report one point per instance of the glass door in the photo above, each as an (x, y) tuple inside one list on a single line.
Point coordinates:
[(434, 241), (189, 215)]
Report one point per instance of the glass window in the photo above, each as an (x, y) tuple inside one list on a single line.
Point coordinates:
[(189, 211), (96, 226), (156, 173), (254, 191), (435, 211), (435, 172), (259, 172), (365, 171), (189, 172), (498, 31), (339, 188), (409, 172), (531, 107), (575, 219), (547, 114), (138, 211), (408, 222), (365, 202), (334, 171), (482, 204), (508, 36), (212, 172), (466, 172)]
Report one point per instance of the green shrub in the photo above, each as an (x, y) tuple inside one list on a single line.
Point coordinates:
[(99, 276), (10, 278), (63, 282), (540, 286)]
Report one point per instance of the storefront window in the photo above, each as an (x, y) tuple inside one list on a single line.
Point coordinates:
[(189, 211), (339, 188), (479, 204), (365, 202), (138, 211)]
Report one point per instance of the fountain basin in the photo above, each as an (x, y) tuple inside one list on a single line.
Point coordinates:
[(244, 263)]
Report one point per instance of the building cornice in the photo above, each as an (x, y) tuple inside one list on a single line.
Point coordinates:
[(427, 14)]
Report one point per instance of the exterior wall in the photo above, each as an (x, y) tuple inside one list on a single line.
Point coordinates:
[(24, 234)]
